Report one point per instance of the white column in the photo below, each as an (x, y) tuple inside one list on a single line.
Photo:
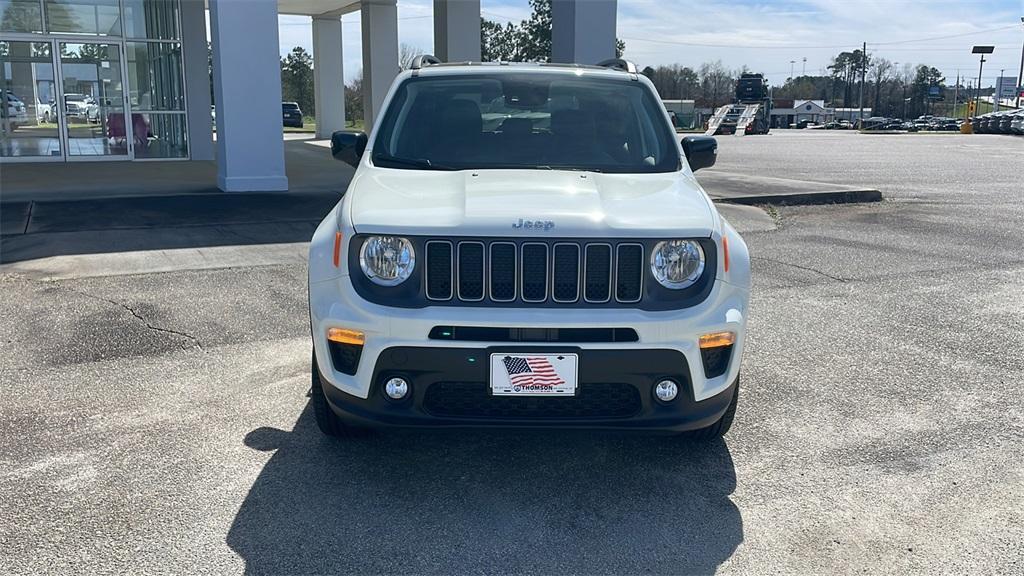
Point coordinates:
[(197, 79), (457, 30), (328, 76), (582, 31), (380, 54), (247, 89)]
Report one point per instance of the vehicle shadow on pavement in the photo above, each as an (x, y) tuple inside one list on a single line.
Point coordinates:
[(486, 501)]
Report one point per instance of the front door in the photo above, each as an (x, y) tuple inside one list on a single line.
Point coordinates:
[(94, 124), (29, 109)]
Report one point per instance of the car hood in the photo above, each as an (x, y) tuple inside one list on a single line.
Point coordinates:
[(542, 203)]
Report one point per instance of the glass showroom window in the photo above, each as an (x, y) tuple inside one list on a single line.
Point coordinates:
[(151, 19), (28, 111), (155, 78), (21, 16), (84, 17)]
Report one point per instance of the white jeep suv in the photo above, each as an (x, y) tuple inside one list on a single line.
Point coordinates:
[(526, 246)]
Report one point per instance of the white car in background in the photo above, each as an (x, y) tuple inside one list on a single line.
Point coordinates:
[(15, 111), (526, 246), (81, 107)]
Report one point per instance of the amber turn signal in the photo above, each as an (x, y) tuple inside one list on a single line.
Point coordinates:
[(346, 336), (717, 340), (337, 248), (725, 252)]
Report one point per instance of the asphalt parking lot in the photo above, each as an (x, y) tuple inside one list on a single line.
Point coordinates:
[(159, 423)]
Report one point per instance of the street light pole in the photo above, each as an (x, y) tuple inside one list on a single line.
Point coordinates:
[(791, 64), (980, 50)]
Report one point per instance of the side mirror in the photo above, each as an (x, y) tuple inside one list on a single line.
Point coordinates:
[(348, 146), (700, 151)]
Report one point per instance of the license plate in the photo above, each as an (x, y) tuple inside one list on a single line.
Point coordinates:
[(533, 374)]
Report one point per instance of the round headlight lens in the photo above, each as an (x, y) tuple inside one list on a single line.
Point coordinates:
[(677, 264), (387, 260)]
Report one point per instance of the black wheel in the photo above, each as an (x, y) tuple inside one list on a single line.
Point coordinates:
[(722, 425), (326, 419)]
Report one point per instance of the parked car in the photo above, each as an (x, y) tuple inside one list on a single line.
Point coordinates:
[(46, 112), (1005, 120), (538, 273), (1017, 124), (15, 111), (291, 114), (81, 107)]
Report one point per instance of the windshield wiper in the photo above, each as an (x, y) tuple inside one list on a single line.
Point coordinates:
[(413, 162)]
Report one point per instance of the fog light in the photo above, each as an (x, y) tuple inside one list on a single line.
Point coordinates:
[(666, 390), (396, 388)]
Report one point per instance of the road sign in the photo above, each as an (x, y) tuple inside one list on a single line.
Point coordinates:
[(1006, 87)]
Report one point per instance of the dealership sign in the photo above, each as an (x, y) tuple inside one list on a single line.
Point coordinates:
[(1006, 87)]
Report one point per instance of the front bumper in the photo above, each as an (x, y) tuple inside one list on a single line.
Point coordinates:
[(333, 303), (449, 387)]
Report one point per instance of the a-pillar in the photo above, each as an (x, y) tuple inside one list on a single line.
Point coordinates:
[(247, 90)]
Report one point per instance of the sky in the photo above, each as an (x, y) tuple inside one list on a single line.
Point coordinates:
[(765, 36)]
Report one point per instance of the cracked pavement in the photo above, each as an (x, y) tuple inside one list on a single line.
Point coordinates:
[(159, 423)]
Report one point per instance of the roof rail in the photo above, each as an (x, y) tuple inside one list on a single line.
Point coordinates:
[(424, 60), (618, 64)]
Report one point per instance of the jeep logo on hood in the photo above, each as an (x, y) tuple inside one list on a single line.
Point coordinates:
[(544, 225)]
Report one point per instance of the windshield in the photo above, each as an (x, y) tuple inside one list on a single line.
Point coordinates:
[(290, 106), (544, 121)]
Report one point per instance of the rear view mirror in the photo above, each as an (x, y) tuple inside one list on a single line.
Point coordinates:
[(700, 151), (348, 146)]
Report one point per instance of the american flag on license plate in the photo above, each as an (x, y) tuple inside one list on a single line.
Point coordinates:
[(531, 371)]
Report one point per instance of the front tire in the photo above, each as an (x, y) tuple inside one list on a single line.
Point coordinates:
[(326, 420), (723, 424)]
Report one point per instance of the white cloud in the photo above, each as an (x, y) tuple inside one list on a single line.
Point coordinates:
[(764, 35)]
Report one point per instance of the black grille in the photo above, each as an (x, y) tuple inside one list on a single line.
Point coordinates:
[(716, 360), (471, 270), (345, 357), (563, 272), (473, 400), (597, 286), (439, 270), (565, 286), (503, 271), (535, 272), (629, 274)]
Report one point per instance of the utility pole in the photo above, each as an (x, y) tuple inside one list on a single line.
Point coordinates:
[(791, 64), (803, 72), (995, 96), (956, 92), (863, 72)]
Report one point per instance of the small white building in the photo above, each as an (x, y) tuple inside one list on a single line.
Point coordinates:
[(790, 112)]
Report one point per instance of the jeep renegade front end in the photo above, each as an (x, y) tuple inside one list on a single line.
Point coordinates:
[(526, 245)]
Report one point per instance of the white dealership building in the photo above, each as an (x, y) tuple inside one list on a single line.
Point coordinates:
[(133, 75)]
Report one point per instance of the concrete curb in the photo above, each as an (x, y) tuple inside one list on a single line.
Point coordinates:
[(807, 198)]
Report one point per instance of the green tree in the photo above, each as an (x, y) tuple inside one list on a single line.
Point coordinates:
[(925, 77), (297, 79), (529, 41), (674, 81)]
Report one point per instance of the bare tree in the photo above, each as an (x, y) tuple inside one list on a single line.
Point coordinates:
[(406, 54)]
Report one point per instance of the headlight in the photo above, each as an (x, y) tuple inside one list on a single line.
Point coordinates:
[(677, 264), (387, 260)]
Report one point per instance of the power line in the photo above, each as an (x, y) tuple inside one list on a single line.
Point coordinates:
[(944, 37), (836, 46)]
